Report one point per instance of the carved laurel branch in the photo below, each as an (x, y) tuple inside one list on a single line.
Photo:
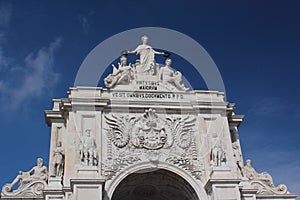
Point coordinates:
[(265, 189), (32, 189), (188, 164), (118, 164)]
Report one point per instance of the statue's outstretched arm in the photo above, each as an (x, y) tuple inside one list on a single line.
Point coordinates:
[(129, 52), (158, 52)]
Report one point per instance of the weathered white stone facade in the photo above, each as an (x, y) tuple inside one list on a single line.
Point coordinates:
[(145, 137)]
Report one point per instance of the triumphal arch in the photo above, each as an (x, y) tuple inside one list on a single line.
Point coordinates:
[(145, 136)]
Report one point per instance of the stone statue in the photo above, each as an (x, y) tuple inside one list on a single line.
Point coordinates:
[(238, 157), (147, 54), (169, 77), (30, 183), (218, 157), (251, 174), (263, 181), (59, 158), (123, 75), (88, 150)]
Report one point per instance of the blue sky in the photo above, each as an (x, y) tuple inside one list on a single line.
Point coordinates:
[(255, 45)]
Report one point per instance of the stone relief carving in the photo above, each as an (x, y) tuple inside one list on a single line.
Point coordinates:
[(30, 184), (238, 158), (124, 74), (263, 181), (114, 165), (132, 138), (120, 127), (58, 161), (194, 166), (150, 131), (88, 150)]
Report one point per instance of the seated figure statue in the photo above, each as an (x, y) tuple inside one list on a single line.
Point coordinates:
[(26, 180), (169, 77), (251, 174), (122, 75)]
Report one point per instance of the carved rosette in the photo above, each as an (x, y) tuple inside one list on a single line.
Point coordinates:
[(32, 189), (132, 138)]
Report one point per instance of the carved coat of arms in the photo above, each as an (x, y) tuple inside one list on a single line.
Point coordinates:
[(150, 132)]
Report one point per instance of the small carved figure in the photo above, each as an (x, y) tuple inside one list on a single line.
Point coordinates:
[(238, 157), (88, 150), (168, 76), (58, 163), (123, 75), (251, 173), (36, 174), (147, 54), (218, 157)]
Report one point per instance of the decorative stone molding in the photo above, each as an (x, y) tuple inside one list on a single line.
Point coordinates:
[(30, 189), (266, 189)]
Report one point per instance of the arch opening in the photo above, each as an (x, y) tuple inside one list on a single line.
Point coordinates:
[(159, 185)]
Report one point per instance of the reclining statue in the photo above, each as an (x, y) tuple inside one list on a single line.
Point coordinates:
[(121, 75), (30, 183), (263, 181), (169, 77)]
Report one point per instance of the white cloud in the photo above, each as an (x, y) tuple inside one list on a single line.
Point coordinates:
[(5, 14), (37, 77), (269, 106), (3, 60), (84, 21)]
